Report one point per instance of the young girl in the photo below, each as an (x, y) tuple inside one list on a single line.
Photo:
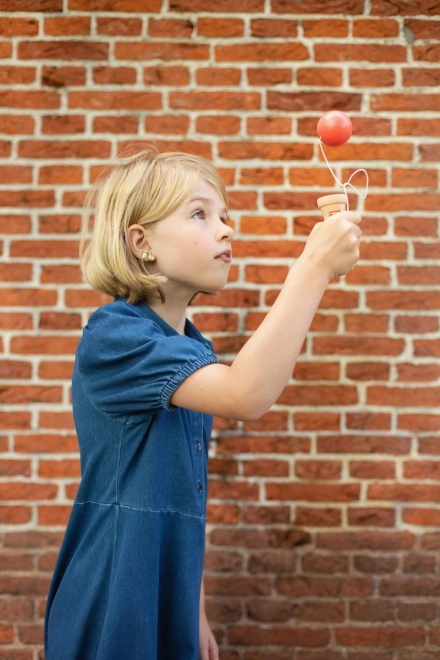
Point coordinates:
[(128, 582)]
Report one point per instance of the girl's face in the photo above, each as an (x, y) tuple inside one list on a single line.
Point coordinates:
[(192, 246)]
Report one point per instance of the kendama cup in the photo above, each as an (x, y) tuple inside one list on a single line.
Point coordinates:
[(330, 204)]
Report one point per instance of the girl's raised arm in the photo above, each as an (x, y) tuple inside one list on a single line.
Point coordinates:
[(251, 385)]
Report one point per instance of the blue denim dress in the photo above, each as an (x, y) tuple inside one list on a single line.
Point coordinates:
[(127, 582)]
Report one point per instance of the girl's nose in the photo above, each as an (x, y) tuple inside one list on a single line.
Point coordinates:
[(226, 231)]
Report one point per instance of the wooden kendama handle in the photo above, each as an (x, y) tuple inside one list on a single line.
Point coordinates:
[(330, 204)]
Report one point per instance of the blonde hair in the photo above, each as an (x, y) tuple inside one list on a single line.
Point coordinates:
[(142, 190)]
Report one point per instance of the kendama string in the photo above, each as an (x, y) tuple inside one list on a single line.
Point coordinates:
[(345, 185)]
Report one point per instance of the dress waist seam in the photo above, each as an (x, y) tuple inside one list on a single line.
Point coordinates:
[(137, 508)]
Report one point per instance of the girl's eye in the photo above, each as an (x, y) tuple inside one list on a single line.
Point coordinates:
[(224, 220), (199, 214)]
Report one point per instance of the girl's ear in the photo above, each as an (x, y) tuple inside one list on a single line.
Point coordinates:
[(137, 240)]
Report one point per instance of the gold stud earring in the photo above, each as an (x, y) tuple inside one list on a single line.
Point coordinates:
[(148, 256)]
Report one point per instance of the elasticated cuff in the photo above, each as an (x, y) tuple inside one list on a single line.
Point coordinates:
[(178, 378)]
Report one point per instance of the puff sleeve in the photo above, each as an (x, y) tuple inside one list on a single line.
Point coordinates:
[(130, 364)]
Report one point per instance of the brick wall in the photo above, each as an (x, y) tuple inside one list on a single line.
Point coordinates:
[(324, 515)]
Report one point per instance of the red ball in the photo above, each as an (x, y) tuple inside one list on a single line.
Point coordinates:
[(334, 128)]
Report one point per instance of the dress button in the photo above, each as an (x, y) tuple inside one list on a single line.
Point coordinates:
[(198, 446), (200, 488)]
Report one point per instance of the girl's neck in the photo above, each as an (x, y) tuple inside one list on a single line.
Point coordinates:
[(172, 313)]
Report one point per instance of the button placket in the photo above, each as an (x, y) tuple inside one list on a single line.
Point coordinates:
[(197, 427)]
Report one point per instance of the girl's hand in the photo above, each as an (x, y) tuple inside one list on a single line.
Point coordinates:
[(333, 245), (208, 645)]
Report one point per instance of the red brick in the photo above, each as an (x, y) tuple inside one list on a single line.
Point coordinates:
[(319, 7), (308, 517), (55, 345), (269, 610), (405, 102), (269, 27), (5, 50), (59, 224), (15, 174), (60, 321), (12, 27), (27, 297), (60, 174), (62, 50), (266, 468), (166, 75), (15, 369), (323, 586), (389, 636), (312, 492), (418, 77), (218, 77), (398, 396), (170, 27), (55, 370), (419, 422), (418, 126), (375, 28), (357, 346), (56, 515), (261, 225), (214, 101), (14, 75), (165, 51), (67, 124), (46, 443), (268, 77), (364, 444), (224, 125), (16, 124), (429, 445), (269, 126), (265, 515), (319, 77), (166, 124), (372, 470), (317, 421), (371, 541), (227, 6), (129, 27), (63, 26), (416, 612), (372, 78), (123, 5), (423, 373), (122, 75), (262, 444), (264, 52), (327, 470), (64, 149), (372, 517), (15, 272), (219, 27), (406, 7), (368, 370), (403, 299), (375, 565), (334, 52), (116, 100), (15, 420), (325, 28), (63, 76), (124, 124), (284, 636), (405, 493)]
